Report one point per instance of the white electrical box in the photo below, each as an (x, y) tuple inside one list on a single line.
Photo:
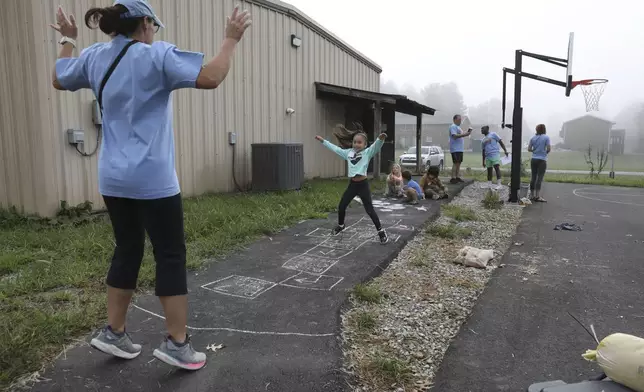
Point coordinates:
[(232, 138), (75, 137), (97, 117)]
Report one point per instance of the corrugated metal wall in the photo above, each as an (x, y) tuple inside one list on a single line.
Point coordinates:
[(268, 76), (23, 133)]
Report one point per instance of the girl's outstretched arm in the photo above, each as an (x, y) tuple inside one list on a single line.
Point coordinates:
[(344, 153), (375, 147)]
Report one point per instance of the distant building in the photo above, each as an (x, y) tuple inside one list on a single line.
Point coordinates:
[(431, 132), (591, 129), (633, 138), (638, 144), (617, 141)]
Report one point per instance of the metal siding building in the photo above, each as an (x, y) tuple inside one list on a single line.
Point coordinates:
[(38, 168)]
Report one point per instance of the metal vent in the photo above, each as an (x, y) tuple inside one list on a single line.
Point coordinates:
[(277, 166)]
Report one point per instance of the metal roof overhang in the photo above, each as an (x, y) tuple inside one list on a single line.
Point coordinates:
[(399, 103)]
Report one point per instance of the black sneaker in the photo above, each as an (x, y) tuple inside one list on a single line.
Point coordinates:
[(383, 237), (338, 229)]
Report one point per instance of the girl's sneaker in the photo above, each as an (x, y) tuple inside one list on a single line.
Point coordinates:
[(338, 229), (119, 345), (383, 237), (184, 356)]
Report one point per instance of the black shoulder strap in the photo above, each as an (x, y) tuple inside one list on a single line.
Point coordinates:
[(109, 72)]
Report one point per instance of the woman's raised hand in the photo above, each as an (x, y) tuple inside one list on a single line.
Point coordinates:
[(66, 26), (237, 23)]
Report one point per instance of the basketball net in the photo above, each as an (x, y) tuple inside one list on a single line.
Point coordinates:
[(592, 89)]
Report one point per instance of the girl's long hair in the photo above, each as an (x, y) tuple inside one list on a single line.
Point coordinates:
[(345, 136)]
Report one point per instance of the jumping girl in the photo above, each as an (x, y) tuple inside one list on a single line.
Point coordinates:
[(358, 159)]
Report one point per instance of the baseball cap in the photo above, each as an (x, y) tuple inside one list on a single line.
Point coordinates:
[(139, 9)]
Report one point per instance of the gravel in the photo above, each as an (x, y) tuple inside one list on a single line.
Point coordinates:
[(426, 299)]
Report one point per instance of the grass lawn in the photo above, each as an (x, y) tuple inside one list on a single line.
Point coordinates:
[(623, 181), (52, 276), (559, 160)]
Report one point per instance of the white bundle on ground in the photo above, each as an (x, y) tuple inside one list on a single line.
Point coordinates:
[(474, 257), (621, 356)]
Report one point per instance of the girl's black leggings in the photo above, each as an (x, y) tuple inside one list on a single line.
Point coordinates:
[(362, 190)]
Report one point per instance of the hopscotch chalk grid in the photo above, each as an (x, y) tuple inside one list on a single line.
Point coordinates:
[(240, 286), (310, 267), (312, 282), (310, 264)]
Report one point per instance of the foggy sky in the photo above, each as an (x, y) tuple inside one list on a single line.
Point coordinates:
[(469, 41)]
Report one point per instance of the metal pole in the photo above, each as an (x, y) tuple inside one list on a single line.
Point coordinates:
[(377, 123), (505, 76), (419, 127), (517, 124)]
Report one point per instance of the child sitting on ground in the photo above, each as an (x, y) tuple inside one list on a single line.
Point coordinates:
[(411, 189), (432, 185), (394, 182)]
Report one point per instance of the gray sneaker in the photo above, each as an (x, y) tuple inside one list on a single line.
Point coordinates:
[(184, 357), (120, 346)]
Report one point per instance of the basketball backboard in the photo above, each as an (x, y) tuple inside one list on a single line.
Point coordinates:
[(569, 85)]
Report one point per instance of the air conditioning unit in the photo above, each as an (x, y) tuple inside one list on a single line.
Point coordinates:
[(277, 166)]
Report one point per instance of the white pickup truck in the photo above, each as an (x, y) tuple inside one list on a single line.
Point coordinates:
[(430, 156)]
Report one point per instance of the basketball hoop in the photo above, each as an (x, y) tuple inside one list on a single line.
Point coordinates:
[(592, 90)]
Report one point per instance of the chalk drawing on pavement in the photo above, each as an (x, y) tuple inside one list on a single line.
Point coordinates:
[(310, 267), (313, 282), (310, 263), (240, 286)]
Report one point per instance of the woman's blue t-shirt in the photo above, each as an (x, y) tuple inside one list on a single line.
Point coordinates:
[(137, 151)]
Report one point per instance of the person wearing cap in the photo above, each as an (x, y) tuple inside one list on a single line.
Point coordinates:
[(136, 173), (492, 154)]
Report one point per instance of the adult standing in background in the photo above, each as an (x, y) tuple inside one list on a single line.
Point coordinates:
[(539, 146), (492, 154), (137, 176), (457, 147)]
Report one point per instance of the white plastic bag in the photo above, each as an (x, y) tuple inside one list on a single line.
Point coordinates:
[(621, 356), (474, 257)]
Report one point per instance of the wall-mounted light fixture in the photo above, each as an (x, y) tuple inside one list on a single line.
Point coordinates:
[(296, 41)]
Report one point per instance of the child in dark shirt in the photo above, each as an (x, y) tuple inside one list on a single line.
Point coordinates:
[(432, 185)]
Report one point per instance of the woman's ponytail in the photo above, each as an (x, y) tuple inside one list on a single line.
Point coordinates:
[(109, 20)]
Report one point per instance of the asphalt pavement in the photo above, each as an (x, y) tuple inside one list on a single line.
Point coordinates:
[(520, 331), (275, 307)]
